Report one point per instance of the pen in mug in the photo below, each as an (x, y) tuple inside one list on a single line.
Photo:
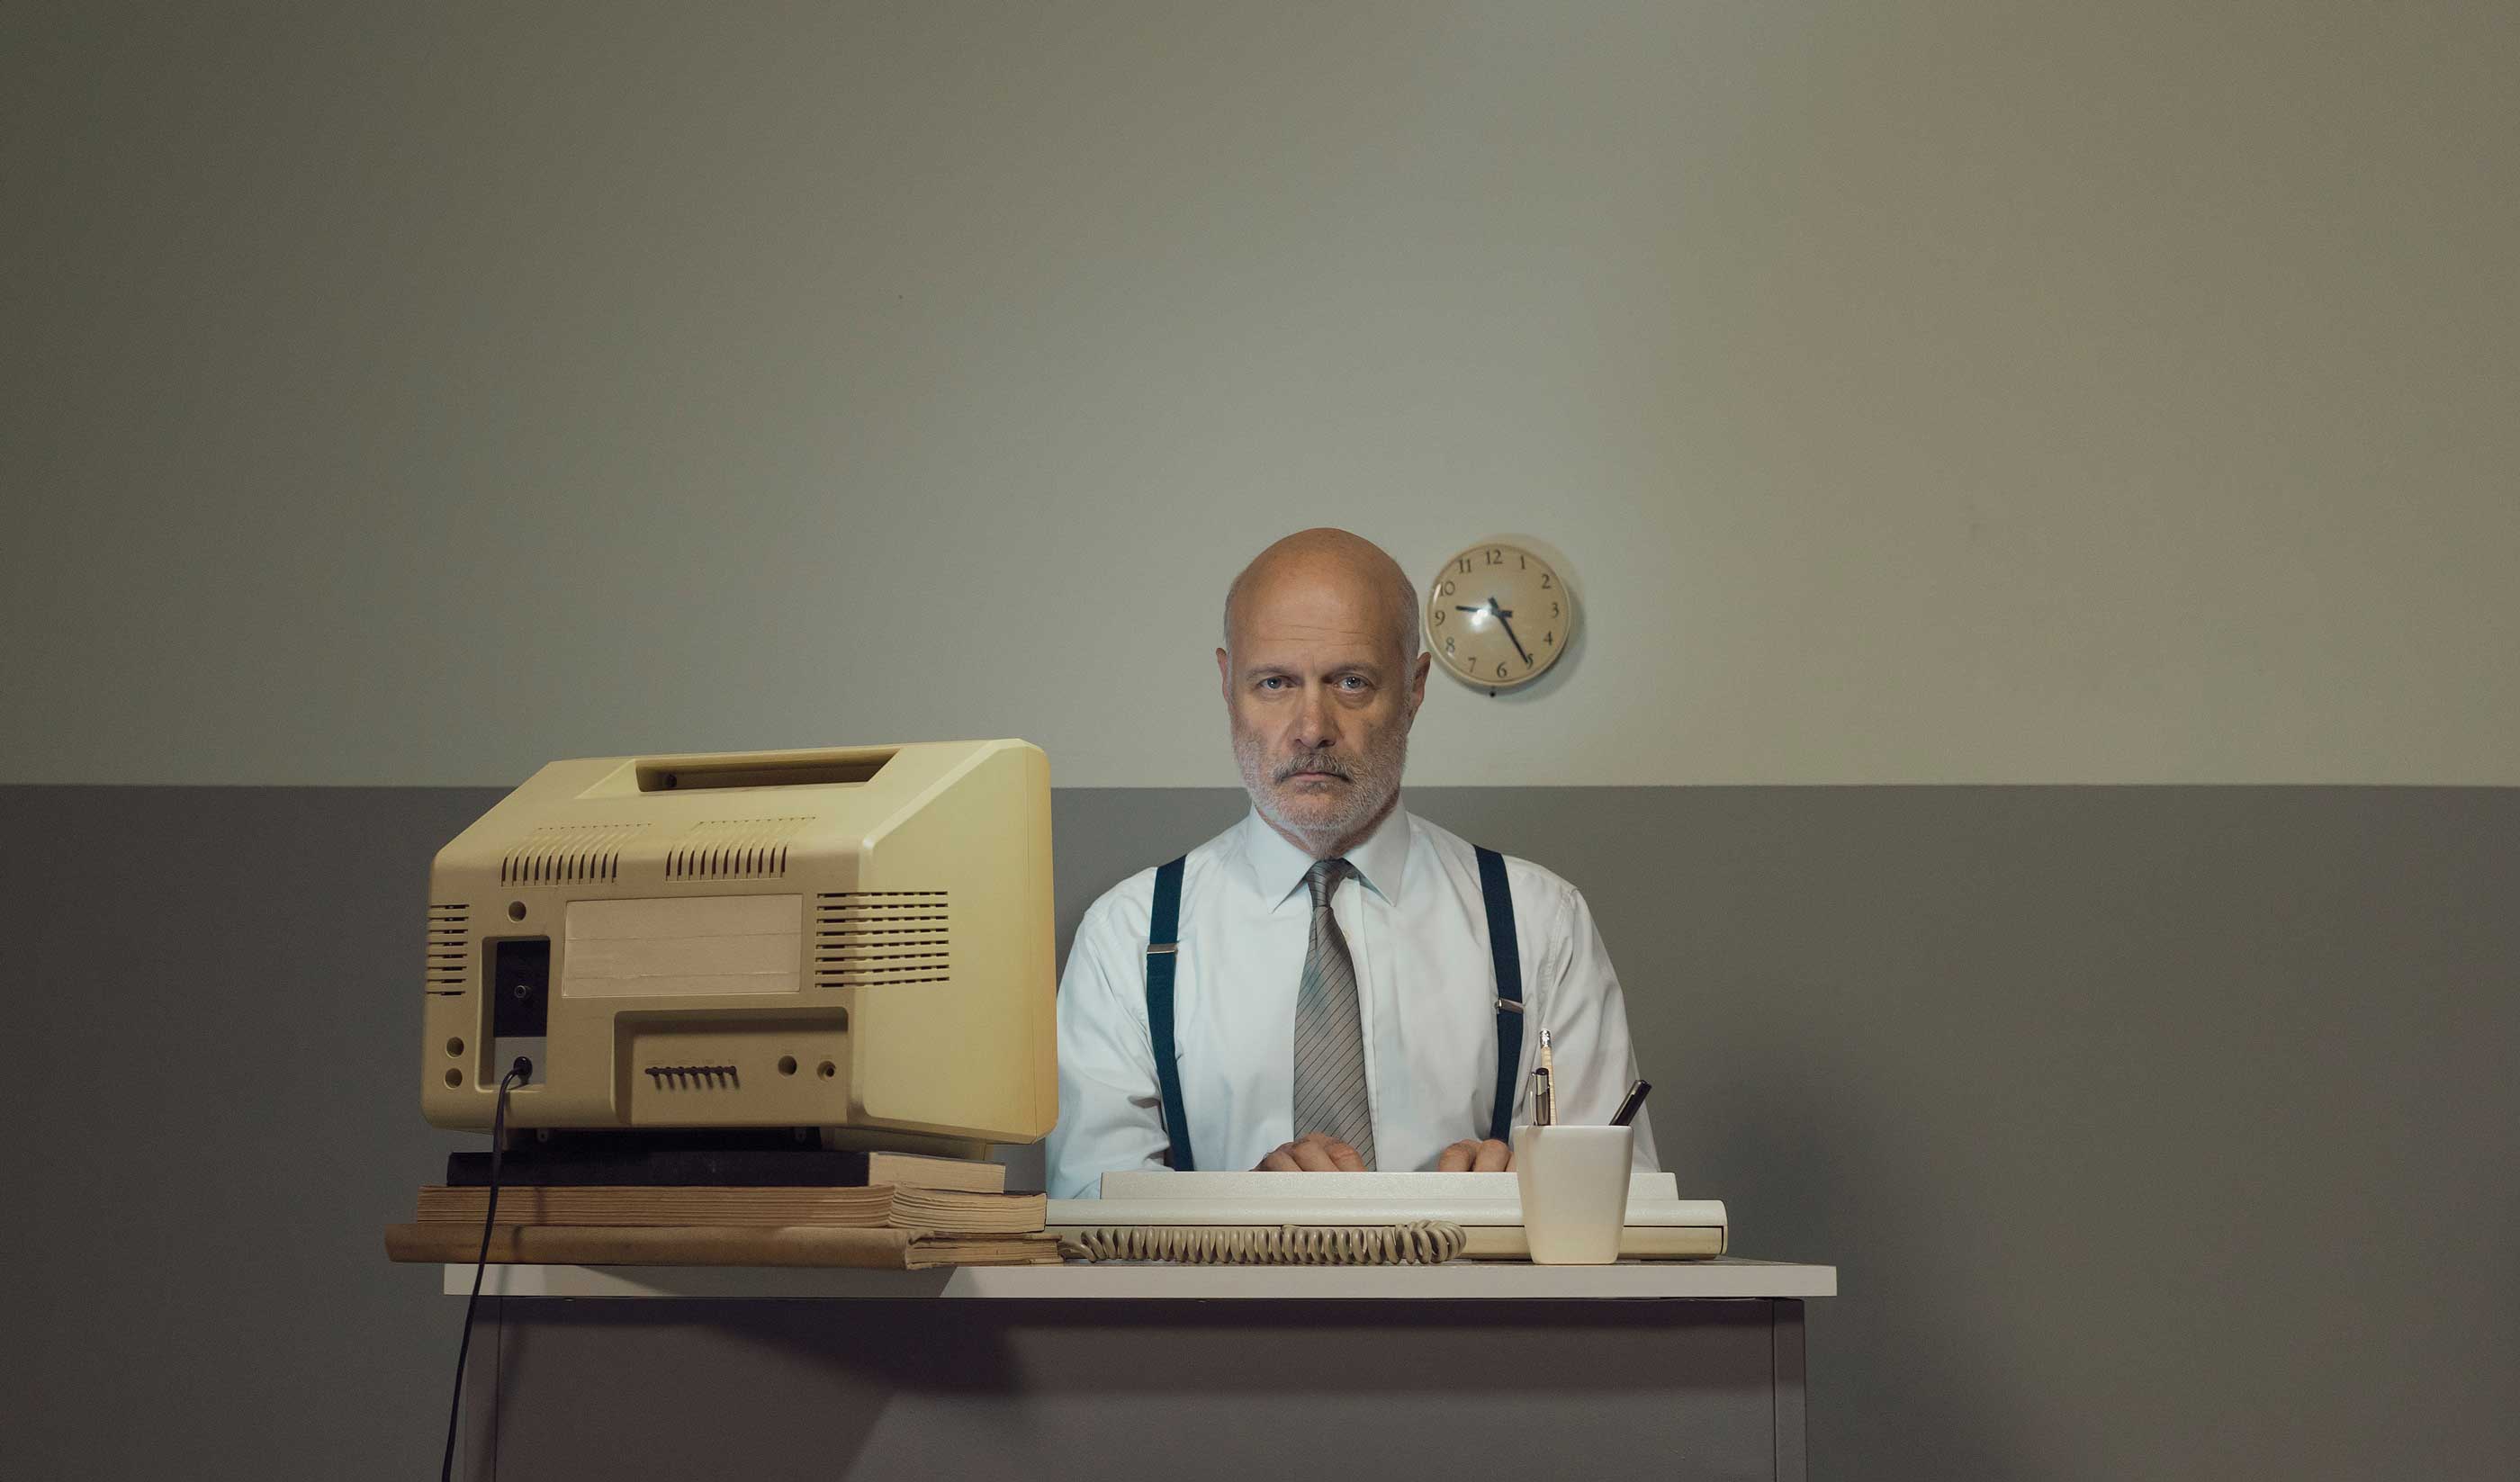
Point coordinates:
[(1633, 1103), (1543, 1086)]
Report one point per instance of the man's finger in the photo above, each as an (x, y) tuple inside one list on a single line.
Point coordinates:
[(1492, 1157), (1280, 1161), (1342, 1157), (1311, 1158), (1457, 1157)]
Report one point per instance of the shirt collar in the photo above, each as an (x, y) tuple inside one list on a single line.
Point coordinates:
[(1278, 868)]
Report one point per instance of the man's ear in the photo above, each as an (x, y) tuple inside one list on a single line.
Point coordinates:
[(1417, 683), (1224, 679)]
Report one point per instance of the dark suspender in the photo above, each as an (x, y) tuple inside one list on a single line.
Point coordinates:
[(1509, 985), (1163, 951)]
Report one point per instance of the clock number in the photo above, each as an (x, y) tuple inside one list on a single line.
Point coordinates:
[(1496, 558), (1500, 671), (1522, 562), (1464, 564), (1448, 648), (1448, 586), (1530, 665), (1553, 610), (1550, 638), (1440, 615), (1546, 582)]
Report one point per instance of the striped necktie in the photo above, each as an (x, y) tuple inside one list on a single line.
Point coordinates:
[(1329, 1037)]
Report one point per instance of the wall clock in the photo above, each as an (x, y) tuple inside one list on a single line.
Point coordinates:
[(1498, 616)]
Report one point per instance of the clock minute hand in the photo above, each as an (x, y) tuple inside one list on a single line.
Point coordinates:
[(1501, 616)]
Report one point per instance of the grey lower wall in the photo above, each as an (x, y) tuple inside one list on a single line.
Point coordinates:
[(2160, 1132)]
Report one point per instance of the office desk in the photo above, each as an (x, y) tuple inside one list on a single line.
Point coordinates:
[(1665, 1370)]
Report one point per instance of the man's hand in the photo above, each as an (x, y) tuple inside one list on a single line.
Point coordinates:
[(1314, 1152), (1471, 1156)]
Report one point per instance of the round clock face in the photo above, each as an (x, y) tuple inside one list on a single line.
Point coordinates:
[(1498, 616)]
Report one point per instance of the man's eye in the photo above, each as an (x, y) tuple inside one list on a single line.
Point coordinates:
[(1273, 682), (1352, 683)]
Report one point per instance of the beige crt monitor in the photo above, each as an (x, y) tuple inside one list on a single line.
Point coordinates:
[(857, 939)]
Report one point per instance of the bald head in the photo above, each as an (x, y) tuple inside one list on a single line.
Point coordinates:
[(1329, 570)]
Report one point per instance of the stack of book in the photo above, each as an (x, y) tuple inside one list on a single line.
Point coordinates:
[(907, 1223)]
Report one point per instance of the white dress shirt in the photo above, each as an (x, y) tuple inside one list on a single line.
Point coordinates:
[(1415, 923)]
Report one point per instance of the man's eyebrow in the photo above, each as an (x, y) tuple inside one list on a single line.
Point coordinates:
[(1366, 668)]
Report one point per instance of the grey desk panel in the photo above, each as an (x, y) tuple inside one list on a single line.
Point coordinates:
[(773, 1390)]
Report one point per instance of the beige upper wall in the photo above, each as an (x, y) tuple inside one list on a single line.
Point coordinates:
[(1918, 392)]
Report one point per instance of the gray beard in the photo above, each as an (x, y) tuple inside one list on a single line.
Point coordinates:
[(1374, 781)]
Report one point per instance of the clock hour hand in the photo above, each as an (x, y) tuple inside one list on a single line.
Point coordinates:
[(1501, 615)]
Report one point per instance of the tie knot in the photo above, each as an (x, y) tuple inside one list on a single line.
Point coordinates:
[(1323, 877)]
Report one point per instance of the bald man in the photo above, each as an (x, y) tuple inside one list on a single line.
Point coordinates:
[(1328, 984)]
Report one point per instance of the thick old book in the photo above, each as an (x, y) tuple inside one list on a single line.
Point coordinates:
[(920, 1210), (883, 1249), (911, 1170)]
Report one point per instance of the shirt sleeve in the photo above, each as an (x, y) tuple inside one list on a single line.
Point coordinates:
[(1110, 1111), (1588, 1026)]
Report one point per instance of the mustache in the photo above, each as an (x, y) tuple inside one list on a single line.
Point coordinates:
[(1331, 766)]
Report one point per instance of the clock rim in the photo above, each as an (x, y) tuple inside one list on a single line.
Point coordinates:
[(1427, 614)]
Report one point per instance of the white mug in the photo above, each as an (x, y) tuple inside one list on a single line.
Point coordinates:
[(1574, 1182)]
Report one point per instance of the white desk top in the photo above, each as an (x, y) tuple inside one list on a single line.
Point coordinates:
[(1458, 1280)]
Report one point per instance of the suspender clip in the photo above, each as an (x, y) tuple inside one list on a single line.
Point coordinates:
[(1166, 948), (1509, 1006)]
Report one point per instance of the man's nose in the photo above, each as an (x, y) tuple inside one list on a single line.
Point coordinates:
[(1316, 727)]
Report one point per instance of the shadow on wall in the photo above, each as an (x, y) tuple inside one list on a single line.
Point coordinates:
[(229, 1012), (1836, 1183), (2142, 1124)]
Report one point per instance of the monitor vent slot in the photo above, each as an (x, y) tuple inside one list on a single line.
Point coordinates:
[(568, 852), (693, 1077), (450, 932), (867, 937), (732, 849)]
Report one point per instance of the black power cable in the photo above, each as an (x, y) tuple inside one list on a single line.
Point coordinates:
[(517, 1074)]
